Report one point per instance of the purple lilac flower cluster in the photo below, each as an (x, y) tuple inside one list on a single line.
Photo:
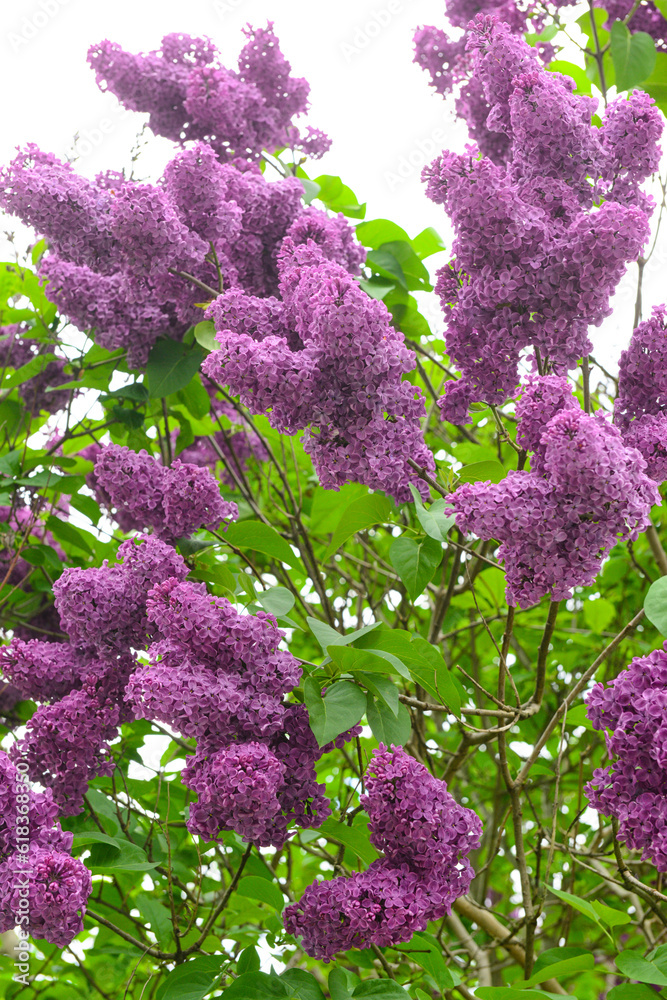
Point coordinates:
[(641, 404), (325, 356), (219, 676), (535, 260), (425, 837), (449, 64), (631, 711), (173, 500), (34, 854), (557, 522), (189, 95), (18, 349)]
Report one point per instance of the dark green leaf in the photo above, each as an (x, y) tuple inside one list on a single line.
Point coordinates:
[(248, 960), (381, 687), (327, 636), (302, 984), (170, 367), (380, 989), (354, 837), (386, 727), (415, 562), (425, 951), (192, 980), (66, 532)]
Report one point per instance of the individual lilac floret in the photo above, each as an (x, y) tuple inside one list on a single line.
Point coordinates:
[(631, 709), (424, 870), (105, 606), (173, 500), (58, 890), (190, 95), (557, 523), (338, 374), (43, 671), (640, 409)]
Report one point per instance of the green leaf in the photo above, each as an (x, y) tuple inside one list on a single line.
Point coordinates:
[(195, 399), (404, 262), (354, 837), (381, 687), (633, 56), (427, 243), (302, 984), (260, 537), (656, 83), (631, 991), (482, 472), (375, 232), (380, 989), (254, 887), (327, 636), (435, 520), (511, 993), (256, 986), (386, 727), (341, 708), (426, 952), (362, 513), (428, 668), (655, 604), (157, 916), (340, 985), (551, 957), (385, 263), (248, 960), (555, 970), (575, 73), (349, 658), (310, 190), (66, 532), (27, 371), (276, 600), (339, 197), (415, 562), (598, 614), (205, 335), (136, 391), (635, 966), (192, 980), (170, 367), (578, 716)]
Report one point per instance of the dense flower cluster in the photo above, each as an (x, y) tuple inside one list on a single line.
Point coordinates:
[(18, 349), (535, 261), (219, 676), (173, 500), (425, 836), (641, 404), (325, 357), (105, 607), (557, 522), (190, 95), (36, 853), (632, 710)]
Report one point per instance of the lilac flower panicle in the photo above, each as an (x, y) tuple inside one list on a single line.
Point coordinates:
[(43, 671), (425, 837), (640, 409), (632, 789), (58, 890), (174, 500), (557, 522)]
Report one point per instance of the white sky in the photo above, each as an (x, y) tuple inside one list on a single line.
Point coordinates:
[(366, 93)]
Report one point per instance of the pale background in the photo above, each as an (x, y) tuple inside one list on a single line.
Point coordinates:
[(366, 93)]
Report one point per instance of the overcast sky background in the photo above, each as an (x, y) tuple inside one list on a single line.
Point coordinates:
[(366, 93)]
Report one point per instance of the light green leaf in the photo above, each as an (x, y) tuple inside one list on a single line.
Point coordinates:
[(327, 636), (415, 562), (341, 708), (655, 604), (381, 687), (633, 56), (435, 520), (362, 513), (354, 837), (260, 537), (276, 600), (482, 472), (205, 335), (635, 966), (254, 887)]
